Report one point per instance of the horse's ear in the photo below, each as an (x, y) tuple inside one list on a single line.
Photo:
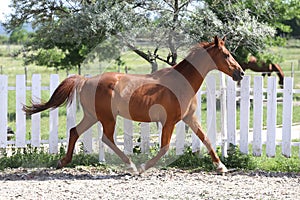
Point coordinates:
[(224, 39), (216, 41)]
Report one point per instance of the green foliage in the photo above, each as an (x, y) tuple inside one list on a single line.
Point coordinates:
[(236, 159), (32, 157), (76, 28), (50, 57), (3, 40), (190, 160), (279, 162), (28, 157), (18, 36)]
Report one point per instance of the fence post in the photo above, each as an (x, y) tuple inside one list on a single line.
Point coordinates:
[(145, 137), (211, 110), (71, 115), (20, 116), (231, 111), (36, 118), (287, 113), (159, 131), (196, 143), (53, 117), (292, 69), (271, 117), (128, 136), (88, 134), (257, 115), (101, 144), (223, 114), (180, 137), (244, 114), (88, 141), (3, 109)]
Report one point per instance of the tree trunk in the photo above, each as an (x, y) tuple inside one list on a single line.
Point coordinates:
[(154, 66), (79, 69)]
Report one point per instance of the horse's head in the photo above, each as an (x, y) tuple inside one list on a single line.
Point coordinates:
[(224, 60)]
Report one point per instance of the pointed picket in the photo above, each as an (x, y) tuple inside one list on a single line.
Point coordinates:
[(3, 109), (53, 117), (101, 144), (145, 137), (36, 118), (211, 110), (20, 116), (244, 114), (257, 115), (196, 142), (231, 111), (180, 137), (128, 137), (271, 117), (287, 113)]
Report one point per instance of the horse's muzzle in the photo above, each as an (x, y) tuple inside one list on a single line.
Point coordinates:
[(237, 75)]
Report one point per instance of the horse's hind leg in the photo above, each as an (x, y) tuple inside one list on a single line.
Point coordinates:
[(108, 139), (165, 144), (75, 132), (195, 126)]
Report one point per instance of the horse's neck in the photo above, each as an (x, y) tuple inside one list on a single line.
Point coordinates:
[(193, 72)]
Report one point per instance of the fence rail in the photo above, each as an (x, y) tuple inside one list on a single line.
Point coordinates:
[(228, 94)]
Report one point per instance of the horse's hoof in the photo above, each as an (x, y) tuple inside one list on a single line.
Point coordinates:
[(142, 168), (59, 165), (221, 168), (132, 169)]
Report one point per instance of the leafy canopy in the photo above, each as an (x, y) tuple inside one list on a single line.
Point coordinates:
[(67, 33)]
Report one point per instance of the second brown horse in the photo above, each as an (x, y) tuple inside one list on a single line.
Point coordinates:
[(264, 68), (166, 96)]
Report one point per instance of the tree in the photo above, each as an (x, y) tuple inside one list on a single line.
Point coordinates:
[(163, 27), (18, 36), (70, 28), (3, 39), (268, 19), (76, 28)]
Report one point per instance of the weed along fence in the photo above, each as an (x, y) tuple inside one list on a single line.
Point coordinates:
[(229, 114)]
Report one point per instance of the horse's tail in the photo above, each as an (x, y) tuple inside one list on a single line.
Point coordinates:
[(279, 73), (63, 94), (279, 69)]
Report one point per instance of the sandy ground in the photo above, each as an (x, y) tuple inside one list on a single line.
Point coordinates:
[(90, 183)]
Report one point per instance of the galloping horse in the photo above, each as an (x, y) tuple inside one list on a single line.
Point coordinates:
[(264, 68), (165, 96)]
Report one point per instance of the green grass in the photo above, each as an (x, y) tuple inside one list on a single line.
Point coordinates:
[(237, 160), (37, 157), (279, 162)]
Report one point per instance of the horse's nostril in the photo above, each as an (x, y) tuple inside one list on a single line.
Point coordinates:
[(242, 73)]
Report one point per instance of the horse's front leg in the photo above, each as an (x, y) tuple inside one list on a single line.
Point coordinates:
[(165, 144), (195, 126), (75, 132)]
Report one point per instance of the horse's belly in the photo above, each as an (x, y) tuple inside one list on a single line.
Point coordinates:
[(139, 112)]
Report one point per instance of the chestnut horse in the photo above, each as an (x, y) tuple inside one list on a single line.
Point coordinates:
[(264, 68), (165, 96)]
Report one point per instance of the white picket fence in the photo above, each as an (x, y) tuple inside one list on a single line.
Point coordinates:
[(226, 91)]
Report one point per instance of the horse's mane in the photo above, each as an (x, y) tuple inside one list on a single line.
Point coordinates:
[(200, 46)]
